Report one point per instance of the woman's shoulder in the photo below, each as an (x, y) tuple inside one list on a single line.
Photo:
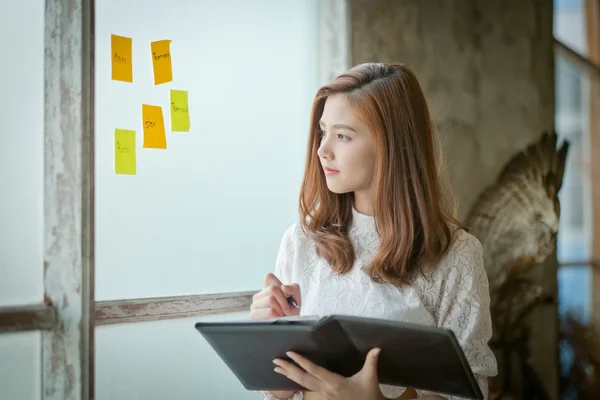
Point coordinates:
[(465, 244), (461, 269), (294, 235), (464, 255)]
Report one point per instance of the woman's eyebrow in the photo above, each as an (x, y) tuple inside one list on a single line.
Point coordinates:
[(339, 126)]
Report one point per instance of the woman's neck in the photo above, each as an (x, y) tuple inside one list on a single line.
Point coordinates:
[(363, 204)]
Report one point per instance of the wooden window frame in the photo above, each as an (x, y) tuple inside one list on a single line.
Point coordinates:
[(69, 314), (590, 63), (592, 14), (68, 348)]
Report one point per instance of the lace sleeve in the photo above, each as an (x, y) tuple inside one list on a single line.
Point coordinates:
[(269, 396), (285, 256), (464, 306)]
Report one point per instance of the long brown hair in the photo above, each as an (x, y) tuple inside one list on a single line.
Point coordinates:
[(414, 224)]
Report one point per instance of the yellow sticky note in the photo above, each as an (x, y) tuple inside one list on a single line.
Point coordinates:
[(125, 152), (161, 61), (154, 127), (122, 66), (180, 115)]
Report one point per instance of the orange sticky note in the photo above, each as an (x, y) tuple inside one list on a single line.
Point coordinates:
[(161, 61), (122, 66), (154, 127), (125, 152)]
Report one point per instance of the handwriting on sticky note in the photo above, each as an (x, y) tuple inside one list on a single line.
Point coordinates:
[(161, 61), (154, 127), (180, 114), (122, 66), (125, 160)]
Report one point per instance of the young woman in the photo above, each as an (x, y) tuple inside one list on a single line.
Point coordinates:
[(375, 237)]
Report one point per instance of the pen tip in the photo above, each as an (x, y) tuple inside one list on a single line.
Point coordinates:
[(292, 302)]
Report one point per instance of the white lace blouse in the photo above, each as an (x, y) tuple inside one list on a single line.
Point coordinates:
[(457, 297)]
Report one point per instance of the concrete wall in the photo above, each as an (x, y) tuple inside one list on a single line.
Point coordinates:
[(487, 68)]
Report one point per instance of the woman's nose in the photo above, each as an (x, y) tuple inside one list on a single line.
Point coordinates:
[(324, 150)]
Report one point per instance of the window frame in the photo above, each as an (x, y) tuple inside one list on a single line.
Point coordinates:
[(590, 64)]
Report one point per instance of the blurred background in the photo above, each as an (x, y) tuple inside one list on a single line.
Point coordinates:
[(498, 74)]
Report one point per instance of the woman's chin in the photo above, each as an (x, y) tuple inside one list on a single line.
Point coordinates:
[(338, 189)]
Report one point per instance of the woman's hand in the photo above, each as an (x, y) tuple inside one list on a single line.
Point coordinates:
[(361, 386), (271, 302)]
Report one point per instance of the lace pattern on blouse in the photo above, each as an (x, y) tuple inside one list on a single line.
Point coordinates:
[(454, 295)]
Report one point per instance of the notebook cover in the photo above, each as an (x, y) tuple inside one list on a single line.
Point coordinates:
[(413, 355)]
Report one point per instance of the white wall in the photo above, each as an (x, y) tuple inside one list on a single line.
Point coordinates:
[(21, 188)]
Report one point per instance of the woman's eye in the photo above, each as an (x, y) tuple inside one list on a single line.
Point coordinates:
[(321, 133), (343, 138)]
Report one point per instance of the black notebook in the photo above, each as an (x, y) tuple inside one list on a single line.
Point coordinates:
[(412, 355)]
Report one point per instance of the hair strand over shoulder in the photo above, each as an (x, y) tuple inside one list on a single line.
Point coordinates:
[(414, 223)]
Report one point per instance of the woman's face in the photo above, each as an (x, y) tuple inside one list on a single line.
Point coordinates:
[(347, 152)]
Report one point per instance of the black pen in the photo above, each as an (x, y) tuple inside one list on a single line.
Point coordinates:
[(292, 302)]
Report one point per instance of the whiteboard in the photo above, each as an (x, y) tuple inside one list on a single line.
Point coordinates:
[(206, 214)]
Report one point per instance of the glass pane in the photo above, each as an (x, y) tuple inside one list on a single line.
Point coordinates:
[(575, 231), (572, 120), (569, 24), (163, 360), (20, 366), (574, 291)]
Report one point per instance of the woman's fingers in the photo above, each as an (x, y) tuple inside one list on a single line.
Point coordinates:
[(270, 293), (272, 280), (298, 375), (293, 290), (264, 313), (267, 302), (274, 299), (319, 372)]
